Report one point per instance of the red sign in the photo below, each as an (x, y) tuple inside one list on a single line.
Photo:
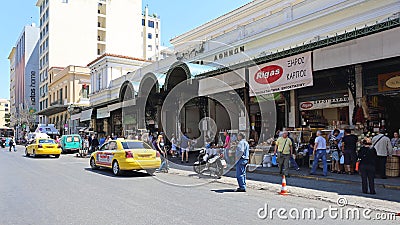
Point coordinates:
[(306, 105), (268, 74)]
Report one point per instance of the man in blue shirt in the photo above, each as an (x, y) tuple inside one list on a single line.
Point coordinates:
[(319, 153), (242, 155), (184, 145)]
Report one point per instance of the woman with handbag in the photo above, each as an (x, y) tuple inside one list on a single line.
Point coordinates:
[(367, 157)]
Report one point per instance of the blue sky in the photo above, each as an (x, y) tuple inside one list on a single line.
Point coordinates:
[(177, 17)]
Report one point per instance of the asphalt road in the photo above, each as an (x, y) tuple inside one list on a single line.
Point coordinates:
[(67, 191)]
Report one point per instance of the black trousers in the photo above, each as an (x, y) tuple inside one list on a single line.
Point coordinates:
[(367, 178), (381, 166)]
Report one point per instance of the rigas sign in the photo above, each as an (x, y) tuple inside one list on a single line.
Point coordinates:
[(325, 103), (281, 75)]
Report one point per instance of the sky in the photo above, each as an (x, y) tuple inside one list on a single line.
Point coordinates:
[(177, 17)]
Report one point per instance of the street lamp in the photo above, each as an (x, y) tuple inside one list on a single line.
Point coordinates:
[(70, 110)]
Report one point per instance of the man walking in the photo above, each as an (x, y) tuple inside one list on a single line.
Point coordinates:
[(185, 144), (319, 153), (227, 146), (284, 147), (349, 149), (384, 149), (242, 155)]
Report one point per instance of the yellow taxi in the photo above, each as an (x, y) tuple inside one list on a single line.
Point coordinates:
[(123, 155), (43, 146)]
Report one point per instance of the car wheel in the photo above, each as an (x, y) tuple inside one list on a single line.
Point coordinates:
[(26, 152), (93, 164), (151, 171), (57, 156), (115, 168)]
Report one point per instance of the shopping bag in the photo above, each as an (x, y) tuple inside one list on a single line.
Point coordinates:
[(274, 160), (341, 161), (357, 165)]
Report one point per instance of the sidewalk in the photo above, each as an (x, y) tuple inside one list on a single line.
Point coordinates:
[(304, 172)]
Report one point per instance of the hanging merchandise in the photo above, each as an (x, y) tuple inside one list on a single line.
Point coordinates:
[(355, 113), (360, 115), (365, 107)]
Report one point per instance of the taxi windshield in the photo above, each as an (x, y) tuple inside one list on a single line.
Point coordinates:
[(135, 145), (46, 141)]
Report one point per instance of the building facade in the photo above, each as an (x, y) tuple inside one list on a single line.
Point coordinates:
[(4, 113), (24, 70), (151, 25), (102, 26), (240, 48), (68, 93)]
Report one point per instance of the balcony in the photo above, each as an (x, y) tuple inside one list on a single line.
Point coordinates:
[(58, 102)]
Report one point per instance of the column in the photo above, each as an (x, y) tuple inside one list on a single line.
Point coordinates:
[(359, 92), (292, 118)]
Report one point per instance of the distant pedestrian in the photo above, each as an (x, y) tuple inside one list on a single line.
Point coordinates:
[(242, 155), (384, 149), (367, 157), (283, 150), (349, 149), (174, 149), (160, 148), (95, 144), (102, 140), (185, 145), (334, 148), (319, 152), (292, 158), (11, 144), (227, 146), (395, 140)]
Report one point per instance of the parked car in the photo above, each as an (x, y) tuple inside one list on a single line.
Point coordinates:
[(43, 146), (120, 155), (70, 143)]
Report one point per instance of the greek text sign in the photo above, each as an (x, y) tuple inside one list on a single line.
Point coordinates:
[(325, 103), (281, 75)]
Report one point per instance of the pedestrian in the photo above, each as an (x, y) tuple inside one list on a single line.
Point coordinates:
[(11, 144), (95, 144), (102, 140), (86, 145), (367, 157), (108, 139), (334, 148), (384, 149), (173, 147), (395, 140), (160, 148), (349, 149), (57, 140), (242, 156), (319, 152), (293, 156), (283, 150), (184, 145), (227, 146)]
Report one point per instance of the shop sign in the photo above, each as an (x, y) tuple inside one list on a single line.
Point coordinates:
[(389, 82), (281, 75), (325, 103), (103, 113)]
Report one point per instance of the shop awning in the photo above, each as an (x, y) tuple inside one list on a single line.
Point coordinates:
[(76, 116), (86, 115), (103, 113), (113, 107), (222, 83)]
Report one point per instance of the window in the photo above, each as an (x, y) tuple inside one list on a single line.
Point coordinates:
[(99, 82), (149, 48), (6, 109), (156, 35), (6, 105), (151, 23), (143, 22), (157, 25), (150, 35), (104, 147), (66, 95), (46, 141), (112, 146), (135, 145), (85, 91)]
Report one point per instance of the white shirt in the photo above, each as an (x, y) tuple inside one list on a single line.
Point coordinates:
[(321, 143)]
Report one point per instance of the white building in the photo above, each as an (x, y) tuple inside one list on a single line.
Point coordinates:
[(24, 69), (11, 58), (4, 110), (76, 32), (151, 25)]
